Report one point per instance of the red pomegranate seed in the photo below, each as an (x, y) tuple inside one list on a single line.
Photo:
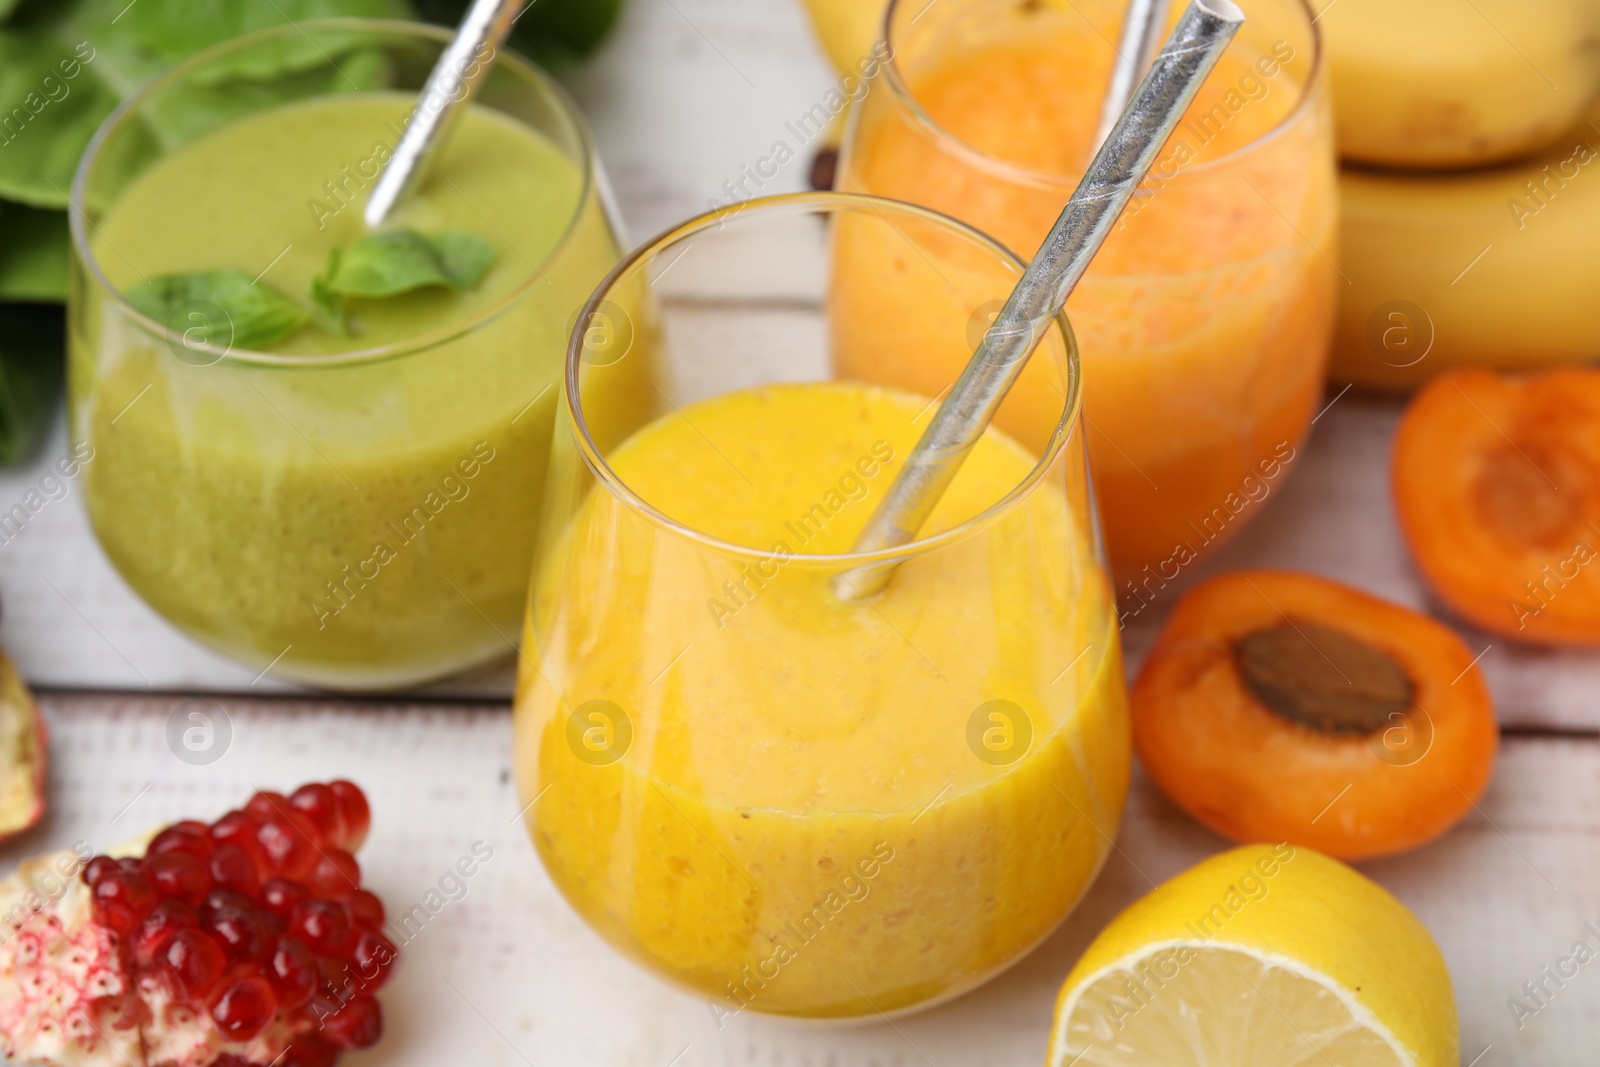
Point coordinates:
[(179, 876), (292, 972), (266, 804), (236, 828), (191, 837), (218, 899), (359, 1024), (125, 897), (365, 910), (159, 927), (309, 1052), (337, 874), (322, 925), (98, 868), (280, 896), (241, 930), (195, 963), (286, 846), (233, 868), (374, 957), (355, 816), (320, 807), (245, 1008)]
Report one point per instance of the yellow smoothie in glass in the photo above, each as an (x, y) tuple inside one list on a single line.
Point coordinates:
[(794, 804), (1204, 321)]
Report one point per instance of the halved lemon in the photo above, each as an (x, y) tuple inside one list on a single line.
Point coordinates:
[(1264, 956)]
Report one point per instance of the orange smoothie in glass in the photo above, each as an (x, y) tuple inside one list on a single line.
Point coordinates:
[(820, 808), (1204, 322)]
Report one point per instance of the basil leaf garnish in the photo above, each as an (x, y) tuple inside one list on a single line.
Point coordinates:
[(257, 314), (398, 261)]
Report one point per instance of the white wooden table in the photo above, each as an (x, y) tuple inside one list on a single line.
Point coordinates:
[(688, 92)]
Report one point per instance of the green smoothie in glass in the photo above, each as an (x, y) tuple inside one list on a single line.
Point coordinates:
[(357, 504)]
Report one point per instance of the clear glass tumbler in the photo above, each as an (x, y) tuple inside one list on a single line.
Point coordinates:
[(1205, 320), (783, 799), (357, 510)]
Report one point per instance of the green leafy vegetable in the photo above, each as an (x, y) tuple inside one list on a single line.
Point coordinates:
[(31, 339), (65, 64), (252, 315), (556, 33), (395, 262), (33, 253)]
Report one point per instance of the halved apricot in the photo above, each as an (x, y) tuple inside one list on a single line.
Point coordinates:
[(1283, 707), (1497, 480)]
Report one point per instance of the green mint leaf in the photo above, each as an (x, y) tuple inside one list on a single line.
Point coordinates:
[(398, 261), (256, 314)]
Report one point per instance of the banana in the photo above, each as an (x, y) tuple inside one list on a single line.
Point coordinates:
[(847, 28), (1458, 83), (1494, 268)]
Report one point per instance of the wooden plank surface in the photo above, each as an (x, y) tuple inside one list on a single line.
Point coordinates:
[(510, 974), (688, 93)]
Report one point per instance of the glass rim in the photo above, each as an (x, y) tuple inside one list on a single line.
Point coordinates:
[(829, 202), (505, 57), (1019, 173)]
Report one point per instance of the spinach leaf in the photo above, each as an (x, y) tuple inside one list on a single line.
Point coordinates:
[(33, 253), (32, 337), (253, 315), (398, 261), (555, 33), (66, 64), (51, 102)]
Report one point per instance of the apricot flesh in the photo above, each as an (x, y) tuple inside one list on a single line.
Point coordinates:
[(1497, 485), (1279, 706)]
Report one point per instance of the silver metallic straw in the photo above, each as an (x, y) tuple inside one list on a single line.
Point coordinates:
[(451, 86), (1126, 157), (1141, 37)]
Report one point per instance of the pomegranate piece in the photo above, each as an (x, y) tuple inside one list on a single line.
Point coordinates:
[(309, 1052), (195, 961), (123, 898), (319, 805), (292, 972), (365, 910), (98, 868), (337, 874), (24, 743), (354, 815), (245, 1008), (287, 847), (179, 876), (373, 957), (233, 868), (246, 942), (159, 927), (190, 837), (281, 896), (358, 1024), (241, 930), (322, 925), (235, 828)]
